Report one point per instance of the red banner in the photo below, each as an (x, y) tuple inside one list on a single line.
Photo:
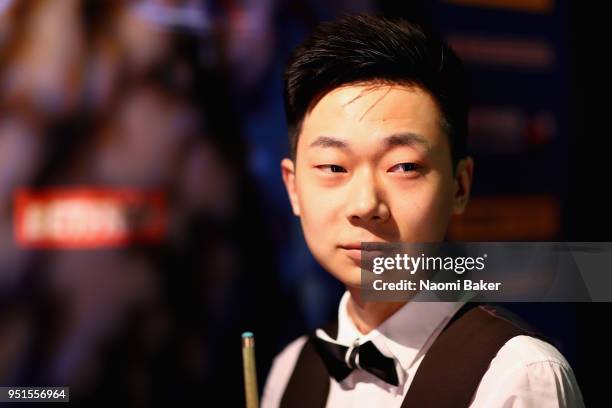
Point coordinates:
[(94, 217)]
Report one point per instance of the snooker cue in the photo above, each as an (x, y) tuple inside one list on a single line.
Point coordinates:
[(250, 375)]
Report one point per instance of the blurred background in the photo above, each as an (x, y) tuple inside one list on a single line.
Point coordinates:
[(181, 100)]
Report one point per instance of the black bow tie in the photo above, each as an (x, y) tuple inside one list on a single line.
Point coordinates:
[(341, 360)]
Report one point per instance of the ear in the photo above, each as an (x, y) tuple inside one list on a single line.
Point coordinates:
[(288, 171), (463, 184)]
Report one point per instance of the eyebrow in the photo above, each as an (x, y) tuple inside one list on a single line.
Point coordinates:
[(399, 139), (406, 139)]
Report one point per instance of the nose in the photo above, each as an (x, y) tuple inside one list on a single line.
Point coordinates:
[(365, 201)]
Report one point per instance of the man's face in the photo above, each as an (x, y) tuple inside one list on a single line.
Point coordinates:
[(372, 165)]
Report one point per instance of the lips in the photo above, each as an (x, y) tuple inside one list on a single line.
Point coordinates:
[(354, 251), (356, 245), (354, 254)]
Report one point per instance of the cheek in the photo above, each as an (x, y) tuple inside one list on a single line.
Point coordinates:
[(318, 232), (424, 215), (319, 207), (318, 215)]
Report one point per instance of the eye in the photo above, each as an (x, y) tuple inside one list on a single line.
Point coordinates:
[(404, 167), (331, 168)]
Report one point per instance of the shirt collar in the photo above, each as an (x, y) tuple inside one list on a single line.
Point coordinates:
[(404, 334)]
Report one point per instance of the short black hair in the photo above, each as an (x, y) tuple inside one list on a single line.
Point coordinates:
[(363, 48)]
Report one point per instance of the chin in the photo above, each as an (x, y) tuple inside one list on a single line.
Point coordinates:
[(351, 279)]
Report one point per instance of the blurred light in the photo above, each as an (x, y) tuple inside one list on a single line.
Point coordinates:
[(531, 54), (508, 218), (88, 217), (4, 5), (189, 17), (509, 129), (528, 6)]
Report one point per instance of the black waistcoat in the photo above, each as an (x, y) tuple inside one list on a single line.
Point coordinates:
[(448, 375)]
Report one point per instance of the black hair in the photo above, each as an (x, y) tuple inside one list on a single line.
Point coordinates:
[(363, 48)]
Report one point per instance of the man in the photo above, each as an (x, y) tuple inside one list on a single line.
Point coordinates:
[(377, 113)]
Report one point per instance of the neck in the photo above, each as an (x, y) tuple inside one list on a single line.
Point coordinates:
[(367, 315)]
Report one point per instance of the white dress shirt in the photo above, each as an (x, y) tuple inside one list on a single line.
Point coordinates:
[(526, 372)]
